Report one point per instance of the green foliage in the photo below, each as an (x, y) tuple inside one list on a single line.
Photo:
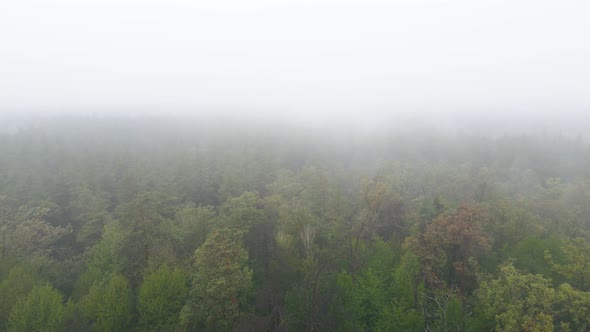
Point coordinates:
[(381, 255), (41, 310), (407, 282), (516, 301), (85, 281), (529, 254), (511, 222), (405, 308), (453, 316), (241, 213), (222, 281), (161, 298), (574, 308), (310, 232), (108, 305), (375, 301), (193, 225), (104, 258), (19, 282), (147, 244), (302, 227), (31, 238), (398, 316), (309, 297), (91, 211), (370, 294), (577, 266)]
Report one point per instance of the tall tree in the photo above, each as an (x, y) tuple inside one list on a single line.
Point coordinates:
[(29, 235), (17, 285), (518, 302), (108, 305), (104, 258), (41, 310), (193, 224), (161, 298), (577, 267), (221, 281)]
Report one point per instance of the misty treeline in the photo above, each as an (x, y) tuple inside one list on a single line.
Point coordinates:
[(157, 225)]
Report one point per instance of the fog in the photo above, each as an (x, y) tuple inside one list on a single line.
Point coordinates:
[(497, 63), (294, 165)]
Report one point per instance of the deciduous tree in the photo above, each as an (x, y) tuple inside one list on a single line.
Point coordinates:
[(41, 310), (221, 281)]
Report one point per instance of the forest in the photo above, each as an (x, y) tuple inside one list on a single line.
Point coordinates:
[(158, 224)]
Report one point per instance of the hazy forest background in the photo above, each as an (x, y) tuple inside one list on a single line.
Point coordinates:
[(161, 224), (295, 165)]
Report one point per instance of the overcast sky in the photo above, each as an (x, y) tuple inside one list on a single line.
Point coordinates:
[(310, 56)]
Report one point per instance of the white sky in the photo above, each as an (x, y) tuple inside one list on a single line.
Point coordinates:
[(327, 56)]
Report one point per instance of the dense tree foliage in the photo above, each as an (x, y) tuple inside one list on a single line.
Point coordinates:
[(41, 310), (135, 225)]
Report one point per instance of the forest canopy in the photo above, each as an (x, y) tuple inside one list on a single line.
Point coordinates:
[(138, 224)]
